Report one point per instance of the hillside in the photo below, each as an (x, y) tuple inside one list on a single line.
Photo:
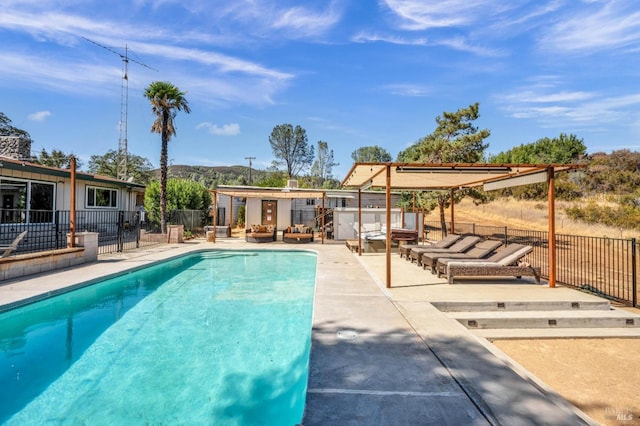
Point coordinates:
[(533, 215), (212, 176)]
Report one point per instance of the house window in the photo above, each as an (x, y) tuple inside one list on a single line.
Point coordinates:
[(311, 201), (102, 197), (25, 201)]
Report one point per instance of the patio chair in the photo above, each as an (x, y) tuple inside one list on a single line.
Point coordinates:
[(8, 249), (447, 241), (479, 251), (507, 265), (460, 246)]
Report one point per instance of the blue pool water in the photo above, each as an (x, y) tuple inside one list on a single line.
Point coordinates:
[(218, 337)]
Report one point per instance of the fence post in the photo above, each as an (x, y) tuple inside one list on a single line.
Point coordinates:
[(120, 238), (506, 236), (57, 225), (634, 273), (137, 229)]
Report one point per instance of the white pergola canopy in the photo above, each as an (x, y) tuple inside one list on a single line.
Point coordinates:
[(437, 176)]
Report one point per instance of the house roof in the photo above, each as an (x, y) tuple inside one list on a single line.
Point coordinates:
[(25, 166), (434, 176)]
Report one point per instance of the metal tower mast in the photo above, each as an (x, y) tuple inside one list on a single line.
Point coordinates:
[(124, 107), (124, 117)]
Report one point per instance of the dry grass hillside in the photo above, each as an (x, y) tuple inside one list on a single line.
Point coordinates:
[(533, 215)]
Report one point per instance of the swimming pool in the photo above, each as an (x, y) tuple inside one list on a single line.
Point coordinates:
[(213, 337)]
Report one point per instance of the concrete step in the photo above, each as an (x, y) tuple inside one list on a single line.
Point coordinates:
[(519, 305), (548, 319), (556, 333)]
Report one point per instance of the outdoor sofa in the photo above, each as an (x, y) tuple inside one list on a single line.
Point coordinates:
[(297, 234), (260, 234)]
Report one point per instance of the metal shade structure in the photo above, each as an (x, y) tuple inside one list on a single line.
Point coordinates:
[(439, 176), (276, 193), (452, 177)]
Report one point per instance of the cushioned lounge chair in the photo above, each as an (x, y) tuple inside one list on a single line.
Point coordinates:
[(506, 265), (481, 250), (459, 246), (443, 243), (9, 248)]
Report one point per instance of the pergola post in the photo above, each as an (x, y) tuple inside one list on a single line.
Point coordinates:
[(323, 215), (72, 204), (231, 212), (359, 222), (453, 226), (388, 205), (552, 226), (215, 215)]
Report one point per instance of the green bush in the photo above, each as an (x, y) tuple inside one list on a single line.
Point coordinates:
[(182, 194), (621, 216)]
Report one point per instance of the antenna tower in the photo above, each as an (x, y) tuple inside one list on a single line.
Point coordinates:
[(124, 106)]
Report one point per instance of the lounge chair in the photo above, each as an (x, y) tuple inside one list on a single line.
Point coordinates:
[(460, 246), (443, 243), (505, 263), (8, 249), (506, 252), (479, 251)]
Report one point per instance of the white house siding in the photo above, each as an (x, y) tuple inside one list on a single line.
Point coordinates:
[(224, 202)]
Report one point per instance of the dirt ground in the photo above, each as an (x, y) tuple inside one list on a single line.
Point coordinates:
[(599, 376)]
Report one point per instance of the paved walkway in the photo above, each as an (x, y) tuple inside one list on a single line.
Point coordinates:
[(379, 357)]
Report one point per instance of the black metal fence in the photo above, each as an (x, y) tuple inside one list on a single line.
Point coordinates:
[(117, 230), (194, 221), (608, 267)]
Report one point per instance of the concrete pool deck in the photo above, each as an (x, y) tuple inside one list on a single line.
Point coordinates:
[(378, 356)]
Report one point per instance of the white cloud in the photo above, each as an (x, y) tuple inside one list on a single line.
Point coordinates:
[(457, 43), (364, 37), (39, 116), (305, 22), (407, 90), (422, 15), (561, 108), (231, 129), (223, 62), (597, 26)]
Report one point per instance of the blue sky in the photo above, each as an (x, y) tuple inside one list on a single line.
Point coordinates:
[(351, 72)]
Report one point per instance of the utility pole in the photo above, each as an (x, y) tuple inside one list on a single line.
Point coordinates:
[(249, 158)]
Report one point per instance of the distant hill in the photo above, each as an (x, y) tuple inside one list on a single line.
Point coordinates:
[(212, 176)]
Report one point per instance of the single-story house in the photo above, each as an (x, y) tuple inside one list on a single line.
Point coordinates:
[(37, 198)]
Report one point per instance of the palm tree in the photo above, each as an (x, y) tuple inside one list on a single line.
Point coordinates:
[(166, 100)]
